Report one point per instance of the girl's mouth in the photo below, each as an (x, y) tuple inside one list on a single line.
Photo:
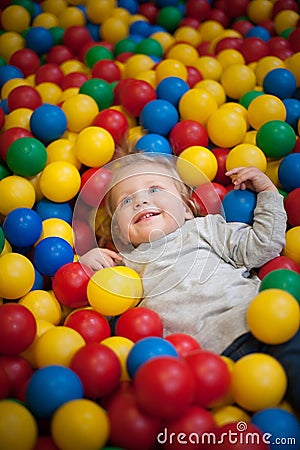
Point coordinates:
[(146, 216)]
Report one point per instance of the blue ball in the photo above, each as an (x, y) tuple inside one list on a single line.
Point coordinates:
[(51, 253), (141, 28), (280, 82), (238, 206), (39, 39), (131, 5), (258, 32), (39, 281), (22, 227), (48, 122), (9, 72), (52, 210), (172, 89), (292, 107), (50, 387), (146, 349), (289, 172), (153, 143), (159, 116), (280, 427)]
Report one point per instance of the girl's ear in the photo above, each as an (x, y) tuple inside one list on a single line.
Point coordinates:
[(190, 209)]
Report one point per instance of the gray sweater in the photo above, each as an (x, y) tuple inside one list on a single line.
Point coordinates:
[(198, 278)]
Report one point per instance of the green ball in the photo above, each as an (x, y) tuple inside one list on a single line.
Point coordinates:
[(169, 17), (4, 171), (276, 139), (284, 279), (2, 240), (124, 46), (247, 98), (150, 47), (100, 90), (97, 53), (27, 4), (57, 34), (26, 156)]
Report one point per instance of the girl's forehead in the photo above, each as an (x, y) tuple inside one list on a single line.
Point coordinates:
[(143, 169)]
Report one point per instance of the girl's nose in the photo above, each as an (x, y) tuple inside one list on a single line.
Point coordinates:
[(141, 198)]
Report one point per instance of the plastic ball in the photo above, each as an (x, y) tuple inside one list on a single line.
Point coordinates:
[(276, 138), (49, 72), (24, 434), (23, 97), (57, 346), (16, 275), (51, 253), (187, 133), (285, 19), (62, 150), (213, 87), (197, 165), (50, 92), (80, 110), (284, 279), (258, 382), (113, 290), (197, 104), (47, 209), (280, 82), (152, 387), (18, 328), (16, 192), (292, 107), (18, 118), (226, 128), (138, 323), (208, 197), (100, 90), (48, 122), (43, 305), (56, 385), (159, 116), (247, 98), (289, 172), (10, 42), (280, 262), (121, 346), (90, 324), (291, 203), (246, 155), (183, 343), (135, 95), (26, 156), (9, 136), (70, 284), (170, 68), (264, 108), (60, 181), (80, 424), (100, 143), (153, 143), (22, 227), (39, 39), (273, 315), (237, 80), (113, 30), (106, 70), (292, 246), (253, 49), (238, 206), (280, 424)]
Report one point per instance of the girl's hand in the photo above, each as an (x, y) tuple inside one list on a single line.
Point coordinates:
[(98, 258), (251, 178)]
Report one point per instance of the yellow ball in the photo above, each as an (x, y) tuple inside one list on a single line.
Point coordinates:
[(16, 275), (246, 155), (43, 305), (57, 227), (285, 19), (11, 84), (19, 117), (136, 64), (230, 56), (236, 107), (183, 52), (229, 414), (273, 316), (99, 10), (62, 150), (187, 34), (113, 290), (18, 428), (237, 80), (171, 68), (50, 92), (15, 18), (80, 110), (29, 354), (100, 145), (259, 10), (73, 65), (272, 171), (197, 104), (46, 20), (210, 29), (226, 128), (15, 192), (292, 246), (265, 65), (80, 424), (165, 39), (60, 181), (114, 30), (214, 88), (54, 6), (121, 346), (264, 108), (209, 67), (57, 345), (197, 165), (10, 42), (258, 382), (71, 16)]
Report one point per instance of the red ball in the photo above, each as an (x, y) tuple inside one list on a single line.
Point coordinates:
[(136, 95), (233, 43), (45, 443), (26, 60), (237, 436), (237, 8), (183, 343), (73, 79), (119, 87), (196, 421), (294, 40), (9, 136), (115, 122), (130, 428), (208, 197), (99, 369), (291, 204), (2, 118), (218, 15), (75, 37), (23, 97), (203, 49), (92, 325), (106, 70), (164, 387), (49, 72), (94, 185), (199, 9), (149, 10), (211, 375), (221, 156), (190, 22), (84, 237), (17, 328), (194, 76), (138, 323), (187, 133), (4, 384), (70, 284), (281, 5), (280, 262), (59, 54), (278, 43), (253, 49), (242, 26), (18, 371)]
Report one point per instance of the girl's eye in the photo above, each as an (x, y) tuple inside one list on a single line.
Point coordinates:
[(126, 201), (154, 189)]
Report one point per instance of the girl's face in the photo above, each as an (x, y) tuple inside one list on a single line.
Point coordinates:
[(147, 204)]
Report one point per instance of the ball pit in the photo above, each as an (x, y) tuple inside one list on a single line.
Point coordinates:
[(77, 82)]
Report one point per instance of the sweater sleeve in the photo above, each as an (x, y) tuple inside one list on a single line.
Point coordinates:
[(250, 246)]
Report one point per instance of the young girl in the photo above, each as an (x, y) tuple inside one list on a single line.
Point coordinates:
[(196, 271)]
